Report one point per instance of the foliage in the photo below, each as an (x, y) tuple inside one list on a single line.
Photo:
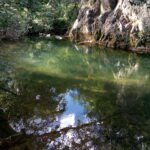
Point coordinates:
[(19, 17), (12, 20), (137, 2)]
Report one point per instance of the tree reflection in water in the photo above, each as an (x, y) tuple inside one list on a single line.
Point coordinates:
[(106, 94)]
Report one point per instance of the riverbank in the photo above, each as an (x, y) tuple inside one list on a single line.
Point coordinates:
[(138, 50)]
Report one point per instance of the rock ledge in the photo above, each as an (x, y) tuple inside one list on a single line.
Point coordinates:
[(114, 23)]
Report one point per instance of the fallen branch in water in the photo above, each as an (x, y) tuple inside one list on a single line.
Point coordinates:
[(6, 90), (57, 133), (98, 122)]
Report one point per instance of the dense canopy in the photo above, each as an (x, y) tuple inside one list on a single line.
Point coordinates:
[(34, 16)]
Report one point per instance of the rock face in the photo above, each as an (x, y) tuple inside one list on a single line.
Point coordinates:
[(114, 23)]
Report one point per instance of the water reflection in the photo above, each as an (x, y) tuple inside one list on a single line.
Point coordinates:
[(75, 97), (74, 114)]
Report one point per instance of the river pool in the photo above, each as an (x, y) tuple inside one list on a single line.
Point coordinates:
[(62, 95)]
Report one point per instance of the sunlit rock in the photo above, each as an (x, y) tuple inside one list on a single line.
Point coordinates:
[(114, 23)]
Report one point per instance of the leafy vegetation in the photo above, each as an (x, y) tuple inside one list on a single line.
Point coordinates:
[(137, 2), (19, 17)]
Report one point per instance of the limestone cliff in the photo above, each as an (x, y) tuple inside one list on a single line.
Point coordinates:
[(114, 23)]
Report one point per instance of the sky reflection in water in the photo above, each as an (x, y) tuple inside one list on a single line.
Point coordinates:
[(75, 114), (107, 86)]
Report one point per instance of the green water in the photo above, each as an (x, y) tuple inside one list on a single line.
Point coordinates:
[(107, 95)]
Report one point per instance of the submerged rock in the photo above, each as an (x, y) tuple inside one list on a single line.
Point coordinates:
[(114, 23)]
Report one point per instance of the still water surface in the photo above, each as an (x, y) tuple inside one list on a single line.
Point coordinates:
[(69, 96)]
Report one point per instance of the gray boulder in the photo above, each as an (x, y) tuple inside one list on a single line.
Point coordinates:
[(114, 23)]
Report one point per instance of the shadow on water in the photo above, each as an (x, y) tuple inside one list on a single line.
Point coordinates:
[(74, 97)]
